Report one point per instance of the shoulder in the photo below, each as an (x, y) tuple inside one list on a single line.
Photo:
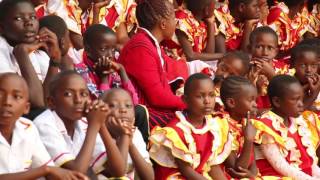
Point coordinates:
[(182, 13), (26, 127), (47, 117)]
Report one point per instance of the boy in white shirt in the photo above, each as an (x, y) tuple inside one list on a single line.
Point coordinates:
[(22, 154), (74, 131)]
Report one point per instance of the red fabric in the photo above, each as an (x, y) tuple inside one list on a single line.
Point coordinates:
[(40, 12), (263, 102), (143, 65), (111, 17), (306, 166), (203, 143)]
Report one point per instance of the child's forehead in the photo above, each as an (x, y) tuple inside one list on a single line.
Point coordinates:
[(13, 82)]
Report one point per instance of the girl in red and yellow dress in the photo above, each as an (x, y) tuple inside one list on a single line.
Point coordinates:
[(291, 21), (287, 141), (239, 98), (193, 144), (235, 24), (315, 17)]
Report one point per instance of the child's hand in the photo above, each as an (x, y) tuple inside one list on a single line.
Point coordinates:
[(96, 112), (314, 83), (211, 20), (249, 131), (254, 74), (266, 67), (118, 127), (250, 23), (56, 173), (98, 5), (52, 48), (28, 48), (105, 66), (241, 173)]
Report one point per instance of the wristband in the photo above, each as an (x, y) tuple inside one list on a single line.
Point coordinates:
[(54, 63)]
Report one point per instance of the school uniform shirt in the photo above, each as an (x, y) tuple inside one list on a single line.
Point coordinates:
[(39, 59), (63, 148), (26, 150)]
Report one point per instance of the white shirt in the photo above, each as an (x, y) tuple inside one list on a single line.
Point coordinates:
[(26, 150), (8, 63), (61, 146)]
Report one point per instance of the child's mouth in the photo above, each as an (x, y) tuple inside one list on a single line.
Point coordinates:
[(6, 113), (30, 34)]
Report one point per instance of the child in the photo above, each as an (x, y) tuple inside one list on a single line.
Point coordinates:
[(103, 72), (193, 144), (195, 32), (235, 23), (287, 19), (239, 98), (129, 139), (23, 156), (287, 146), (72, 127), (20, 42), (233, 63), (305, 60), (264, 49)]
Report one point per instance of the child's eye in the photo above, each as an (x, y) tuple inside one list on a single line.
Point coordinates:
[(67, 94), (18, 97), (33, 17), (129, 106), (18, 18), (84, 94)]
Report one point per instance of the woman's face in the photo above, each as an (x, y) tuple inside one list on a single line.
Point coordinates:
[(169, 24)]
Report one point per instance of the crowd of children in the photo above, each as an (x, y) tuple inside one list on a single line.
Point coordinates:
[(160, 89)]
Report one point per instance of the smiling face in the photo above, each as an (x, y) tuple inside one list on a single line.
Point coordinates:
[(70, 97), (14, 98), (20, 24)]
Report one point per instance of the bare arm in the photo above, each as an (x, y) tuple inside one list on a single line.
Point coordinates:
[(187, 171), (143, 168), (246, 33), (217, 173), (220, 43), (115, 165), (190, 54)]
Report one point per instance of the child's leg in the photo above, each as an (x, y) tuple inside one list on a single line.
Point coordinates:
[(142, 121)]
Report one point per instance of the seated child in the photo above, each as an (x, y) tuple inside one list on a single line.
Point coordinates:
[(264, 49), (287, 19), (23, 155), (73, 129), (235, 20), (20, 42), (233, 63), (305, 60), (239, 98), (193, 144), (195, 32), (287, 146), (129, 139), (99, 66)]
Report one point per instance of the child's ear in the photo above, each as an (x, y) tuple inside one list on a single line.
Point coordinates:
[(241, 7), (163, 24), (230, 102), (50, 102), (27, 108), (275, 102)]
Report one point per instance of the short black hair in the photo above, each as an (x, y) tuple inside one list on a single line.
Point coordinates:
[(235, 3), (149, 12), (194, 77), (244, 57), (262, 30), (7, 5), (56, 81), (95, 30), (55, 24), (197, 5), (278, 86), (106, 95), (311, 42), (302, 48), (230, 87), (291, 3)]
